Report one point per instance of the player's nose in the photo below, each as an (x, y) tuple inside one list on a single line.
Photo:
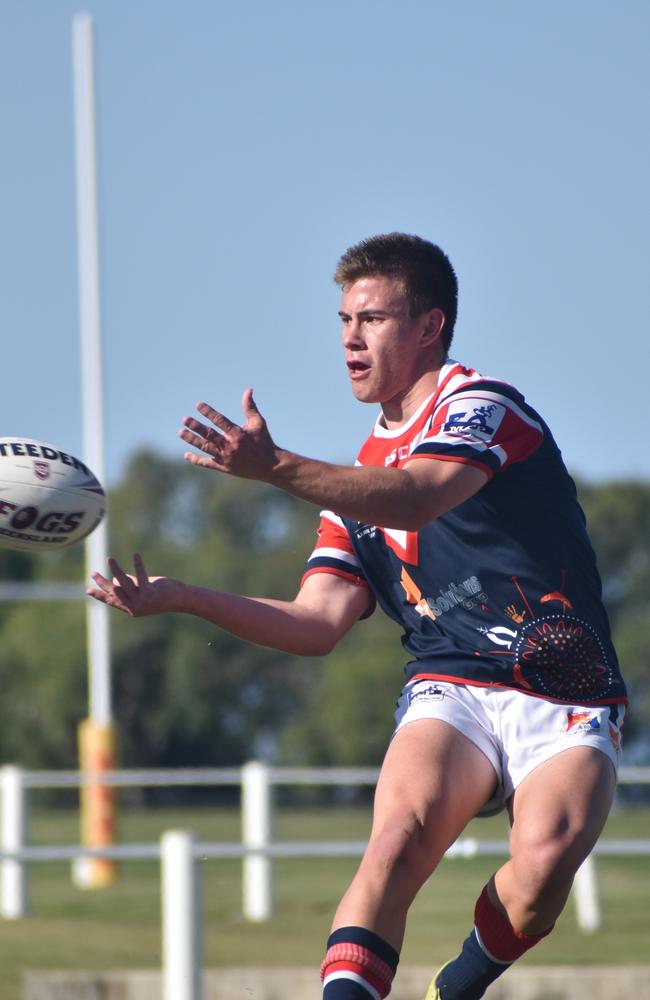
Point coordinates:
[(352, 335)]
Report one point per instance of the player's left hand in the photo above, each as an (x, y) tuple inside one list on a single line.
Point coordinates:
[(247, 451)]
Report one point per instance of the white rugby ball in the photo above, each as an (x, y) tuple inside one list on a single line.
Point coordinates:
[(48, 498)]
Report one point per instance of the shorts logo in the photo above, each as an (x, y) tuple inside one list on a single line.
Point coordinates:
[(615, 736), (430, 692), (582, 722)]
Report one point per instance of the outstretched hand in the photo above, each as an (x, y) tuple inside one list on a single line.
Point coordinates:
[(136, 595), (247, 451)]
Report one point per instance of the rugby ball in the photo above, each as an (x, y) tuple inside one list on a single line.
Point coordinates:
[(48, 498)]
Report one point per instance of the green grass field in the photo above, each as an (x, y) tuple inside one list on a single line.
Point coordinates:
[(119, 927)]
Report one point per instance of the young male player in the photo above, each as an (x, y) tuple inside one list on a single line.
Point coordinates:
[(461, 521)]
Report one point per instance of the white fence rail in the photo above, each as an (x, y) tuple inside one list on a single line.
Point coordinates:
[(178, 852), (256, 849)]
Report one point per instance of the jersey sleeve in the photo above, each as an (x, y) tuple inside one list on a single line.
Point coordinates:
[(481, 427), (334, 552)]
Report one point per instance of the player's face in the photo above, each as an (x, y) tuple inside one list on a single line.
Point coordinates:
[(383, 345)]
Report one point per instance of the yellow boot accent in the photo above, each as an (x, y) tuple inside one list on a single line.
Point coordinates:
[(433, 993)]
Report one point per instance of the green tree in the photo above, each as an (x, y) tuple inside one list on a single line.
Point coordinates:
[(618, 515), (42, 674), (186, 693)]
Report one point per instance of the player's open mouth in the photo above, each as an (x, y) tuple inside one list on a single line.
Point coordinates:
[(357, 369)]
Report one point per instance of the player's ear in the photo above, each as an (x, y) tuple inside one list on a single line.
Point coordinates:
[(434, 322)]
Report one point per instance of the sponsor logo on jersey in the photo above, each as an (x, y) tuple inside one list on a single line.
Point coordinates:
[(482, 421), (499, 635), (582, 722), (469, 593), (398, 455), (365, 531)]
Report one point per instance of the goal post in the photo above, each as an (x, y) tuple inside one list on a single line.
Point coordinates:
[(96, 734)]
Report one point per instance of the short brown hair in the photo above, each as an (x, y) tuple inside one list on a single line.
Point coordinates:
[(426, 272)]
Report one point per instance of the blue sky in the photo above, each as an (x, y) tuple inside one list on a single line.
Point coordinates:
[(243, 147)]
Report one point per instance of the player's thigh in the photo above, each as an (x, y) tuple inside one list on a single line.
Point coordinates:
[(434, 778), (559, 810)]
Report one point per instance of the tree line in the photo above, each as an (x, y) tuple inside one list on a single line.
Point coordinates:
[(187, 694)]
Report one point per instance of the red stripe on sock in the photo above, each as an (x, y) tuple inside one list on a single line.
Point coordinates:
[(497, 934), (354, 958), (377, 984)]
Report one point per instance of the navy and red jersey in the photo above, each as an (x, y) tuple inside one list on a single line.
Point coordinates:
[(503, 590)]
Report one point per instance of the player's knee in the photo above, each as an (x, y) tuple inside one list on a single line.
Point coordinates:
[(402, 850), (551, 859)]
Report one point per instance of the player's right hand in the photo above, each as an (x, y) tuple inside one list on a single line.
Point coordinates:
[(136, 595)]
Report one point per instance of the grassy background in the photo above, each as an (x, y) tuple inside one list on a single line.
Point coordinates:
[(119, 927)]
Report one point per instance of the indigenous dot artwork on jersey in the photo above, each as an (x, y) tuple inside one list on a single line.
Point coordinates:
[(561, 657)]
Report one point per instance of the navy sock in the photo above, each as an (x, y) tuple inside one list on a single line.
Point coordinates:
[(359, 965), (345, 989), (468, 976), (490, 949)]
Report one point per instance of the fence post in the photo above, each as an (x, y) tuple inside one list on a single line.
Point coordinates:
[(181, 917), (585, 889), (13, 896), (256, 836)]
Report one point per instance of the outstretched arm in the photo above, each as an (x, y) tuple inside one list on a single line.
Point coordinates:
[(405, 498), (325, 608)]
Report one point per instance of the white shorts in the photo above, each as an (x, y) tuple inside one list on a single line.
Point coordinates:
[(515, 731)]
